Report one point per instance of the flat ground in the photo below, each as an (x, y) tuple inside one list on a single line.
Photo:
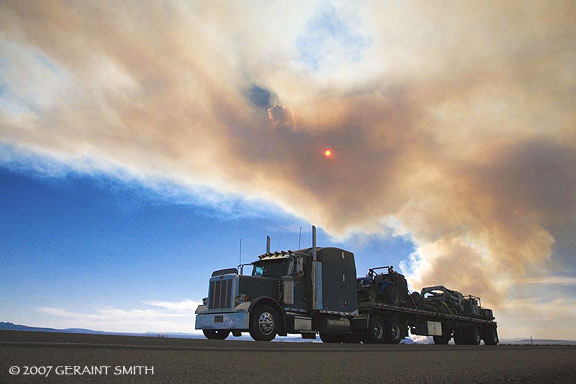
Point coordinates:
[(203, 361)]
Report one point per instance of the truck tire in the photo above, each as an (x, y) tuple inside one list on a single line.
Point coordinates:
[(391, 295), (393, 331), (459, 337), (473, 336), (330, 338), (216, 334), (264, 323), (444, 339), (376, 332), (490, 336)]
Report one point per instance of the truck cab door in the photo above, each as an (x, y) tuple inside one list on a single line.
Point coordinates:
[(300, 291)]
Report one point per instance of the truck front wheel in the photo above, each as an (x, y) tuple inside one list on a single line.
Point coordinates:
[(376, 332), (216, 334), (264, 323)]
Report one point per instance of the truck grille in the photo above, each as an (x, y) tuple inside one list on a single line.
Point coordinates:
[(220, 295)]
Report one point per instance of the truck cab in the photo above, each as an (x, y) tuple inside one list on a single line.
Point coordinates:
[(285, 293)]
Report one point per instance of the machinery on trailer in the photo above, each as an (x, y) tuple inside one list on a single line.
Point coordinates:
[(390, 287), (315, 291)]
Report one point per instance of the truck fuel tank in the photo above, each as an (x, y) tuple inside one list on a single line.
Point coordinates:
[(333, 324)]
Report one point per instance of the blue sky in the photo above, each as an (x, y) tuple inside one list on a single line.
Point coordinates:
[(80, 243)]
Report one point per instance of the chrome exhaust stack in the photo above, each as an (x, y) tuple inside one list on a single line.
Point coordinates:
[(313, 243), (316, 275)]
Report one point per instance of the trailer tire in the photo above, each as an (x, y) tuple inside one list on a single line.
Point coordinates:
[(459, 337), (393, 331), (391, 295), (216, 334), (376, 332), (444, 339), (490, 336), (473, 336), (264, 323)]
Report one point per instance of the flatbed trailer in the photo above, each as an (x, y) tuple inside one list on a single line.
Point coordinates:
[(442, 326), (367, 307)]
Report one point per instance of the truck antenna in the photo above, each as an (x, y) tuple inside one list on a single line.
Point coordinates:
[(299, 237), (313, 243), (267, 244)]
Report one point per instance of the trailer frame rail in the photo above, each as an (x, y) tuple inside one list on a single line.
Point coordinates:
[(366, 306)]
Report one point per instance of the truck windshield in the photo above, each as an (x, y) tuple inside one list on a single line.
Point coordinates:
[(271, 268)]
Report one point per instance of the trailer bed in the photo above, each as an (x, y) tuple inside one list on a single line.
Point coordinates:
[(367, 306)]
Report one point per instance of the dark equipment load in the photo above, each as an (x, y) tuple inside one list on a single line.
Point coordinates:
[(472, 306), (389, 288), (442, 299)]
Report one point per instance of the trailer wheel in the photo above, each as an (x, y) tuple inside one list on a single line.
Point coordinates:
[(473, 336), (263, 323), (393, 332), (376, 332), (216, 334), (330, 338), (490, 336), (391, 295), (444, 339), (459, 337)]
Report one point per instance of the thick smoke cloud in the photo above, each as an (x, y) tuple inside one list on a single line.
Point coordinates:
[(456, 118)]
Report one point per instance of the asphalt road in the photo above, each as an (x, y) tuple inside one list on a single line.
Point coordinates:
[(77, 358)]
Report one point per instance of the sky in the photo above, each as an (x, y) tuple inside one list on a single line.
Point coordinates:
[(140, 141)]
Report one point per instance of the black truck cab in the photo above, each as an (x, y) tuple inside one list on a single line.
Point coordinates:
[(293, 287)]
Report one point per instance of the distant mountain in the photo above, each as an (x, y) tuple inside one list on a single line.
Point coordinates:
[(16, 327), (537, 342)]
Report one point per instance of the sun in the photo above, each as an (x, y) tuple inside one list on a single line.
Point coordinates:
[(328, 153)]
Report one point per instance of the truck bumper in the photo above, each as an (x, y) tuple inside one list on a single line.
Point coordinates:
[(230, 320)]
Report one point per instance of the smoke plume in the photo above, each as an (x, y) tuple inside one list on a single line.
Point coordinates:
[(455, 118)]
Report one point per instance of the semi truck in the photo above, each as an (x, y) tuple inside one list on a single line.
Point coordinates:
[(315, 291)]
